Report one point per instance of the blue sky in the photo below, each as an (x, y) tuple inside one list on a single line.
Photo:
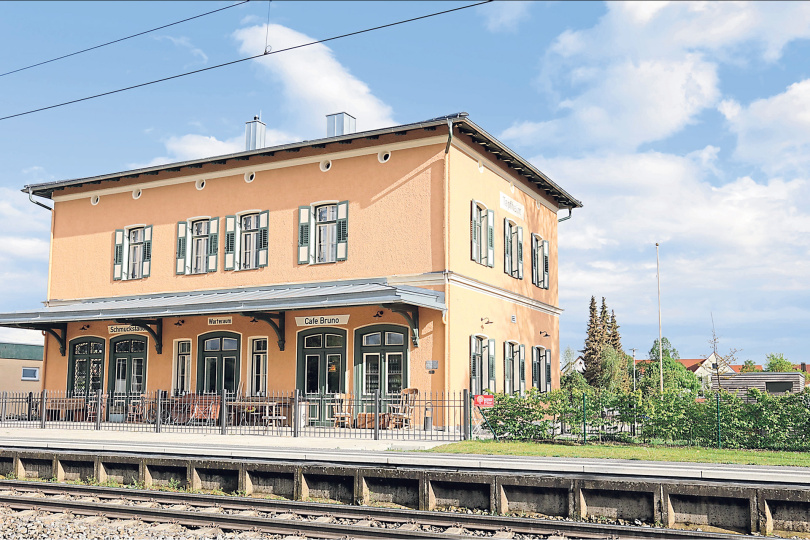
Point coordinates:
[(686, 124)]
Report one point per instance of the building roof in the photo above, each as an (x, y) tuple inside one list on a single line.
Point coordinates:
[(269, 298), (21, 351), (460, 121), (692, 364), (738, 367)]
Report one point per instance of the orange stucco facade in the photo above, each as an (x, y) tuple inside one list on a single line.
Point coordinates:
[(408, 222)]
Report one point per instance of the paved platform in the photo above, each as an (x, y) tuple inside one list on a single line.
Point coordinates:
[(383, 453)]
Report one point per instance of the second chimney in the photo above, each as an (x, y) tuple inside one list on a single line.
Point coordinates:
[(340, 124), (254, 134)]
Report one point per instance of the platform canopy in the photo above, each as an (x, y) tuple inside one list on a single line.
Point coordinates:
[(149, 310)]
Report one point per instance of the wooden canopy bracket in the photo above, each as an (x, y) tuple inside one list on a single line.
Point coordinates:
[(411, 315), (277, 321), (57, 330), (147, 324)]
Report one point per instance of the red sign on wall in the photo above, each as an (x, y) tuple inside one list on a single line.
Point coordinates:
[(484, 400)]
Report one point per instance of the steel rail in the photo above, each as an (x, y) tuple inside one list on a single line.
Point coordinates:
[(490, 523)]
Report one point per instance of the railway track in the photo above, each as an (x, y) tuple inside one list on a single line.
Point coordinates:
[(312, 520)]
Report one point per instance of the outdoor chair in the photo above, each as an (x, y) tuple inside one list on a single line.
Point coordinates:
[(402, 412), (341, 410)]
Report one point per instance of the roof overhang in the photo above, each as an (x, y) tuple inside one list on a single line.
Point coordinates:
[(254, 299), (460, 121)]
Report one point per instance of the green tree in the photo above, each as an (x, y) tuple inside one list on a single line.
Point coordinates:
[(569, 358), (614, 339), (614, 370), (676, 377), (749, 367), (594, 343), (666, 348), (778, 363)]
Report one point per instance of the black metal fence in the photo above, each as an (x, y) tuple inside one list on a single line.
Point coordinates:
[(408, 415)]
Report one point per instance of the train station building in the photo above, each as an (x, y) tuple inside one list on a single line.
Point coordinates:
[(419, 256)]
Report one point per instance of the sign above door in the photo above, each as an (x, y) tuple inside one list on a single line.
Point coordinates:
[(322, 320)]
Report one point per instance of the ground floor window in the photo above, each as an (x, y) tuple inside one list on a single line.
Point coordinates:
[(85, 366), (258, 368), (182, 367), (514, 379)]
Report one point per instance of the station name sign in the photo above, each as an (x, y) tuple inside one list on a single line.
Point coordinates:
[(124, 329), (321, 320), (216, 321), (512, 206)]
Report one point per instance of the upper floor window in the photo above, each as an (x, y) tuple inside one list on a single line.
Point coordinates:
[(482, 234), (323, 233), (197, 246), (246, 239), (132, 257), (539, 262), (513, 249)]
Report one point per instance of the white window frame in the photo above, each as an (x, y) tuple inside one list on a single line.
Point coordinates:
[(512, 249), (263, 366), (192, 251), (326, 250), (177, 390), (126, 248), (242, 235), (34, 377), (511, 359), (540, 261), (337, 247)]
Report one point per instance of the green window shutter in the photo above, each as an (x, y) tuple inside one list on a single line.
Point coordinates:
[(118, 255), (507, 368), (147, 251), (491, 364), (491, 238), (213, 244), (507, 247), (342, 231), (534, 260), (545, 264), (475, 233), (522, 368), (536, 368), (548, 370), (230, 243), (180, 254), (304, 225), (264, 219), (475, 383), (520, 252)]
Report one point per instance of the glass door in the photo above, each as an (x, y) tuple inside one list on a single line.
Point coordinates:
[(218, 366), (321, 369)]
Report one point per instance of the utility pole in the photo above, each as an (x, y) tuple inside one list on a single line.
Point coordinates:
[(660, 345), (634, 369)]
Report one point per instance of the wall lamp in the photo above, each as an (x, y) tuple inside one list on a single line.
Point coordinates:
[(379, 314), (486, 320), (544, 334), (254, 319), (85, 327), (181, 322)]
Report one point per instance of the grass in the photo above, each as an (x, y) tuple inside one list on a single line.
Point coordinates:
[(627, 451)]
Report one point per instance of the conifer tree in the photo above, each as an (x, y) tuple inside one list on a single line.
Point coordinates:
[(594, 343), (614, 338)]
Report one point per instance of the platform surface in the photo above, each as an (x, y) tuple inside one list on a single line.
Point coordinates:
[(375, 453)]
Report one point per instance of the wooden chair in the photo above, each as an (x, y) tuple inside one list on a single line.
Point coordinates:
[(402, 412), (342, 410), (92, 408), (135, 410)]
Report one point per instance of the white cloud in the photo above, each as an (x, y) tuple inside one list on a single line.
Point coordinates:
[(647, 70), (773, 133), (504, 16), (314, 82), (185, 43), (17, 335)]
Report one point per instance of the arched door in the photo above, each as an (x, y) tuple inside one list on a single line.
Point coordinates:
[(85, 366), (127, 365), (381, 359), (218, 363)]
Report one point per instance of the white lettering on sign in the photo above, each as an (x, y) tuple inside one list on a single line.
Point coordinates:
[(216, 321), (512, 206), (321, 320), (124, 329)]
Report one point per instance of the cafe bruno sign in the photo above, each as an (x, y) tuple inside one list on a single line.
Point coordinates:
[(322, 320)]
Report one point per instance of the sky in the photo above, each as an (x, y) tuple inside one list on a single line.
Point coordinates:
[(686, 124)]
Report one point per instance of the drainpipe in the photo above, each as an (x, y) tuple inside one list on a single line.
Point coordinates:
[(566, 217), (31, 198)]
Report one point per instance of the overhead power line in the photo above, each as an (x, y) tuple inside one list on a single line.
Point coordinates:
[(232, 62), (121, 39)]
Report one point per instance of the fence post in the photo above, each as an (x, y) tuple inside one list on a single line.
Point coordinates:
[(3, 412), (377, 414), (465, 430), (158, 410), (30, 406), (584, 418), (719, 438), (296, 417), (43, 399), (223, 416), (99, 409)]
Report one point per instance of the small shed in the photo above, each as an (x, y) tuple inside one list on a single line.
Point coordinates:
[(21, 367), (776, 383)]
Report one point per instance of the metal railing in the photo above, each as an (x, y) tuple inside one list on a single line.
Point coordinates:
[(407, 416)]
